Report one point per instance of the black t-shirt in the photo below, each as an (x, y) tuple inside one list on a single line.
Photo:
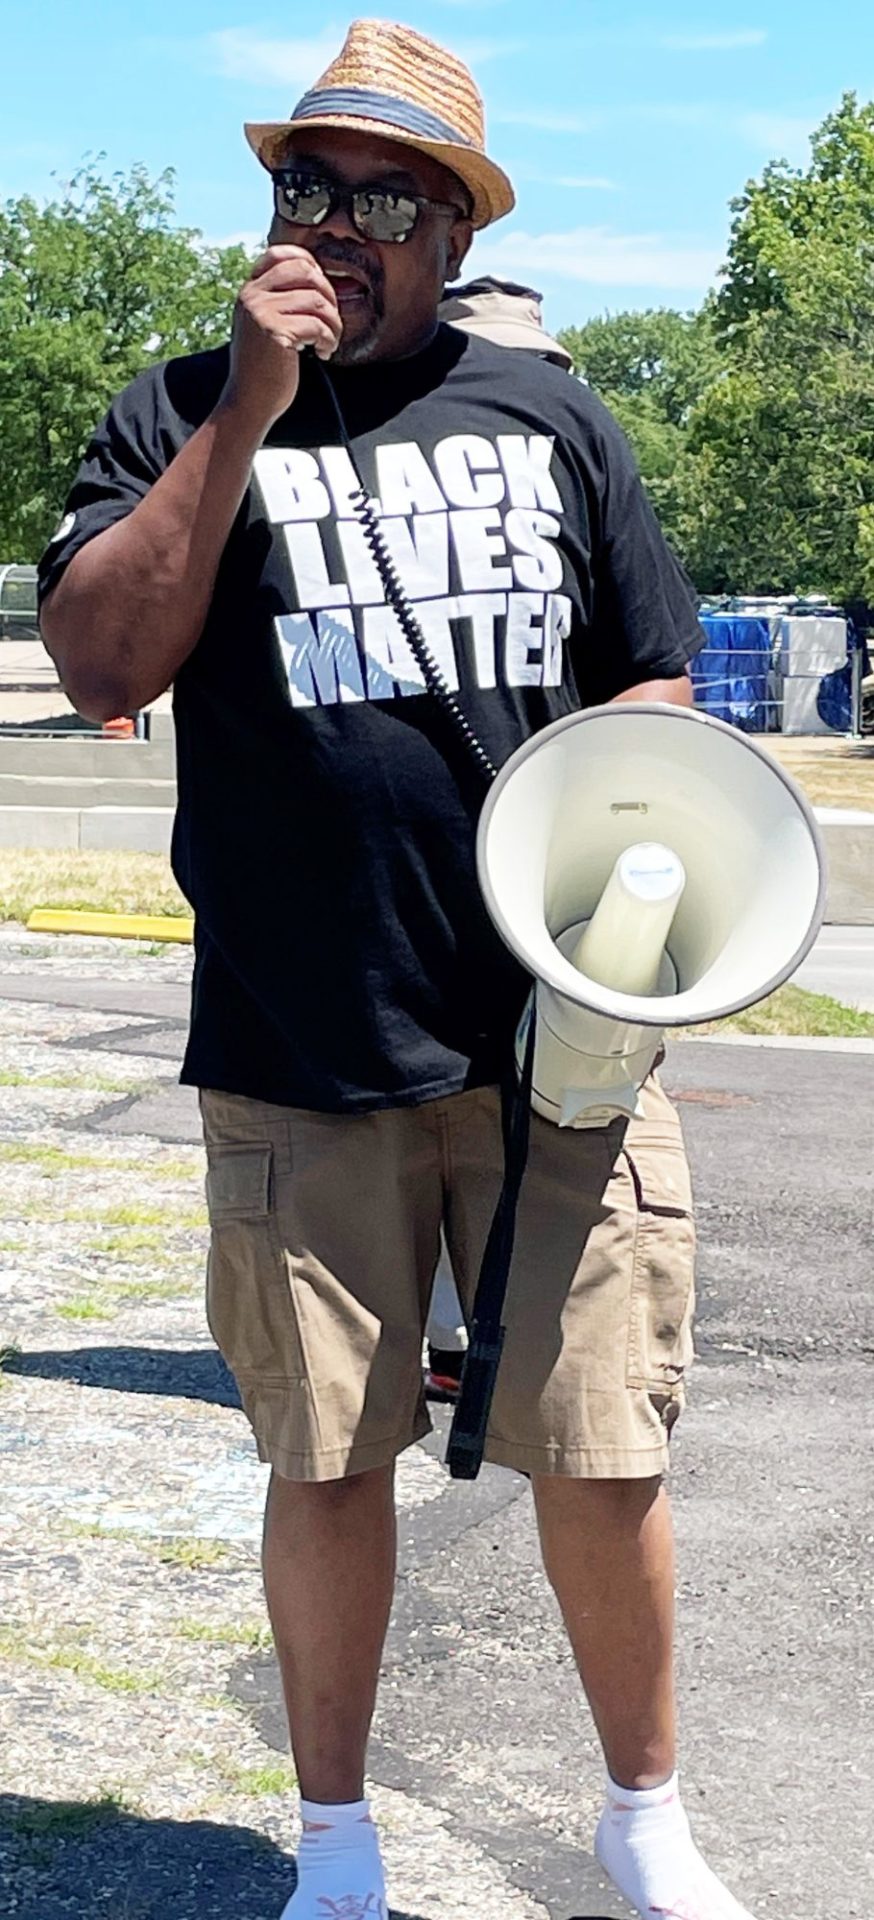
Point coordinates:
[(327, 816)]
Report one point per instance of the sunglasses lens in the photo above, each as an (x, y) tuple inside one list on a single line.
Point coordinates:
[(384, 216), (302, 198)]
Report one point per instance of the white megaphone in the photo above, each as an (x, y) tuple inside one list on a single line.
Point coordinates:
[(651, 868)]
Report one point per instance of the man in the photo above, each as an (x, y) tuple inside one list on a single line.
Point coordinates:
[(351, 1005)]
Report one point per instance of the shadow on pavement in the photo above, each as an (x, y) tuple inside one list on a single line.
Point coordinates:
[(198, 1373), (80, 1860)]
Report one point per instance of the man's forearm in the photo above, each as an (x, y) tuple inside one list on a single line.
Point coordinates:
[(131, 606), (677, 693)]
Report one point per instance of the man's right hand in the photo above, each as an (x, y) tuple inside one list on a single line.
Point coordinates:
[(288, 303)]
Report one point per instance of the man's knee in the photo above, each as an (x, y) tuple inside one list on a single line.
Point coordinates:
[(594, 1502), (329, 1496)]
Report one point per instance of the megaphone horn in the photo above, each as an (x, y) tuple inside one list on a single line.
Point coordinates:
[(652, 868)]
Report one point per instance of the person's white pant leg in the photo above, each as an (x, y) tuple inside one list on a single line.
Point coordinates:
[(446, 1328)]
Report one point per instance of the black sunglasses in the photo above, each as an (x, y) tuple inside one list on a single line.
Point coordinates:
[(378, 213)]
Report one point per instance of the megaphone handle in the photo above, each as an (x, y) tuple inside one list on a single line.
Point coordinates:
[(467, 1435)]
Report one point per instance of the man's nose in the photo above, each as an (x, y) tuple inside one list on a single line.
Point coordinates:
[(339, 222)]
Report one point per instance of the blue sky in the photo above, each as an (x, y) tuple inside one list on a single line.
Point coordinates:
[(626, 128)]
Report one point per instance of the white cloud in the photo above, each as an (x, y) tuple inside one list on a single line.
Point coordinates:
[(601, 257), (592, 182), (783, 135), (714, 42), (238, 54)]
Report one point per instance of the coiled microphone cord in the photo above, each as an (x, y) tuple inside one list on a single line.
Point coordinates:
[(435, 681)]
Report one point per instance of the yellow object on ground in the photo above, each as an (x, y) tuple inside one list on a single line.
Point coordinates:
[(119, 926)]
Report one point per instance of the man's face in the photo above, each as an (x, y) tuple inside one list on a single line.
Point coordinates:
[(389, 295)]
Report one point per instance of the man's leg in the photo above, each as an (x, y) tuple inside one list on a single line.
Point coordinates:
[(598, 1339), (319, 1310), (329, 1568), (608, 1550)]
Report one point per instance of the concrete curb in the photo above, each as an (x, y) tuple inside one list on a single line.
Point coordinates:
[(800, 1042)]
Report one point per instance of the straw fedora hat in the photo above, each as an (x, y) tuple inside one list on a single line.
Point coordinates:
[(389, 80)]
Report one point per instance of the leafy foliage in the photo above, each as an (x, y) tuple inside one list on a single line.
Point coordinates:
[(753, 419), (93, 286)]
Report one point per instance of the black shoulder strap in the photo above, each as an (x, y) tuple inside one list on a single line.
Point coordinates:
[(467, 1437)]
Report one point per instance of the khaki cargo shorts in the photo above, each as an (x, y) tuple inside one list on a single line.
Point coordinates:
[(326, 1237)]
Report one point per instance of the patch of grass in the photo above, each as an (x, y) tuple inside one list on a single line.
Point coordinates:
[(175, 1170), (132, 1216), (97, 1217), (279, 1778), (141, 1216), (124, 1290), (58, 1160), (17, 1646), (111, 1679), (11, 1245), (137, 1243), (55, 1159), (226, 1634), (832, 773), (191, 1553), (69, 1082), (798, 1014), (173, 1551), (92, 1530), (105, 882), (67, 1818), (84, 1306)]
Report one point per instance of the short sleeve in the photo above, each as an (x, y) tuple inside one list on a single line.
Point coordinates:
[(122, 461), (644, 612)]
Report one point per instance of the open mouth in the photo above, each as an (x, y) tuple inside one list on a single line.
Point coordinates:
[(350, 286)]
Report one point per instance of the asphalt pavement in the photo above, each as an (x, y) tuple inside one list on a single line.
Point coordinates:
[(842, 965), (480, 1716)]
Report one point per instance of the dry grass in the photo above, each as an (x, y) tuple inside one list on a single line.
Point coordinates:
[(833, 773), (99, 882)]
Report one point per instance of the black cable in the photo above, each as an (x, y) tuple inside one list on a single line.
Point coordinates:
[(362, 507)]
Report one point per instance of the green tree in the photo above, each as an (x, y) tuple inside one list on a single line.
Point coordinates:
[(658, 355), (650, 369), (93, 286), (779, 484)]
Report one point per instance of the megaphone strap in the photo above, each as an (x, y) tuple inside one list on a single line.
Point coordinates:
[(468, 1432)]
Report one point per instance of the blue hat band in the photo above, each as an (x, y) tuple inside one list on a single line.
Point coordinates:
[(366, 104)]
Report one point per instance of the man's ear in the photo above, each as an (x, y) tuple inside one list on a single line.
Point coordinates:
[(460, 238)]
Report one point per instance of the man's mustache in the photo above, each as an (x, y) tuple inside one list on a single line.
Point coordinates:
[(345, 254)]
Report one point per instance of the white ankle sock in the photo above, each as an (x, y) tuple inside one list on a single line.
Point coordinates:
[(644, 1843), (339, 1870)]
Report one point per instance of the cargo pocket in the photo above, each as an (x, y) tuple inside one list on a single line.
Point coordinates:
[(663, 1282), (249, 1305)]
